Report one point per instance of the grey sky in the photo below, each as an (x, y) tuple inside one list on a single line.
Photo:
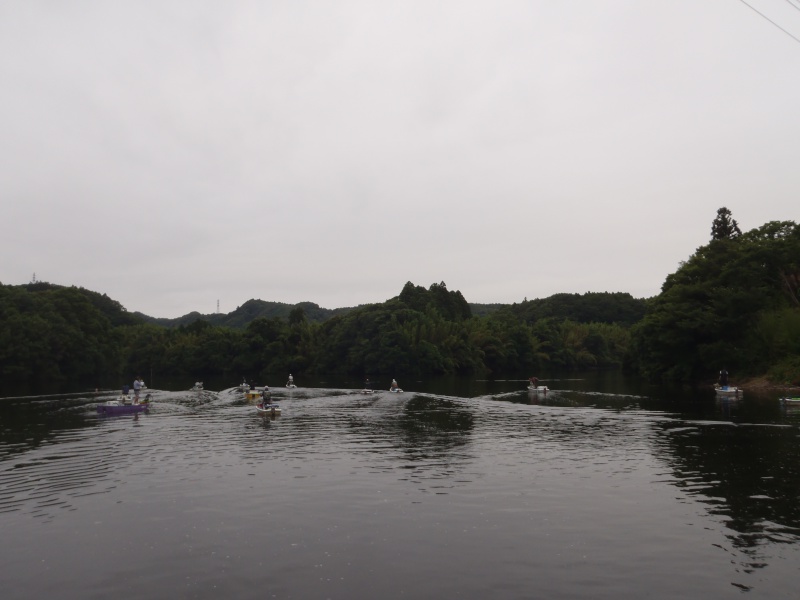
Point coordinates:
[(172, 154)]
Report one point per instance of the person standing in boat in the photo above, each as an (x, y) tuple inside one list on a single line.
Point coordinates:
[(534, 381), (723, 378), (290, 383), (265, 397), (367, 384), (137, 387), (394, 384)]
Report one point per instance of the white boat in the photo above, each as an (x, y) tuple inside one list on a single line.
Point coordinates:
[(268, 409), (367, 391), (536, 389), (395, 390), (728, 391), (791, 400), (198, 385)]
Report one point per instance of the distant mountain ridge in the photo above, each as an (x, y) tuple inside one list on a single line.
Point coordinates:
[(249, 311), (69, 334), (255, 309), (603, 307)]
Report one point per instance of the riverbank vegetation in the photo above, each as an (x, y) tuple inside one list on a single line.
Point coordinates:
[(733, 304), (57, 333)]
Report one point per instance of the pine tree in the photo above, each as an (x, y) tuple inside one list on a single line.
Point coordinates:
[(724, 226)]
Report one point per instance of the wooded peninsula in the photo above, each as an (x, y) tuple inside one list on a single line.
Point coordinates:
[(734, 304)]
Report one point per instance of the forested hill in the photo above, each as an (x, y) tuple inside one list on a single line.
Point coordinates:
[(592, 307), (250, 311), (256, 309), (66, 334), (735, 303)]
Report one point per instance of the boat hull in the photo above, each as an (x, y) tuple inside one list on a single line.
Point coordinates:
[(537, 388), (269, 409), (728, 391), (122, 409)]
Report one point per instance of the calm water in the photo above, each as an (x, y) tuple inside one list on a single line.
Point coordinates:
[(454, 489)]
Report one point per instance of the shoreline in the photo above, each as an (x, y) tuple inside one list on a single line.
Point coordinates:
[(763, 384)]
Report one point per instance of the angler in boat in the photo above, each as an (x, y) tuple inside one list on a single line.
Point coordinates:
[(533, 385), (123, 406), (723, 389), (367, 386)]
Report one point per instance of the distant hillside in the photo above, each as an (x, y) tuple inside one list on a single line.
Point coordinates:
[(111, 309), (481, 310), (249, 311), (592, 307)]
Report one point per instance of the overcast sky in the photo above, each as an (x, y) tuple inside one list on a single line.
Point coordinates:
[(176, 154)]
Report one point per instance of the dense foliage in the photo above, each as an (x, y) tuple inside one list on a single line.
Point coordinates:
[(733, 304), (52, 333), (92, 339), (591, 307)]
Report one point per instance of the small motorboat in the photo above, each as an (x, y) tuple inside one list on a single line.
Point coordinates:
[(538, 389), (256, 393), (268, 408), (198, 385), (727, 391), (367, 391), (123, 406), (794, 401), (396, 390)]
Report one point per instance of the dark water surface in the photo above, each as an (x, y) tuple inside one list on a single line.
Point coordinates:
[(454, 489)]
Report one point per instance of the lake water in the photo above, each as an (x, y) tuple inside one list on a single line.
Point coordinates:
[(455, 488)]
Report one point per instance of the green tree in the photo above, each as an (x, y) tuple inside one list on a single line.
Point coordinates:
[(724, 226), (711, 306)]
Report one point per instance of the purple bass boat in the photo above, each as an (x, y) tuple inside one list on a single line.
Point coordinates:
[(118, 407)]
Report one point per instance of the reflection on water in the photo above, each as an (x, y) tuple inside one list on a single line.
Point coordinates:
[(749, 474), (596, 489)]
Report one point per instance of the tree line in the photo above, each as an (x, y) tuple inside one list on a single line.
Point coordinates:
[(734, 303), (69, 334)]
